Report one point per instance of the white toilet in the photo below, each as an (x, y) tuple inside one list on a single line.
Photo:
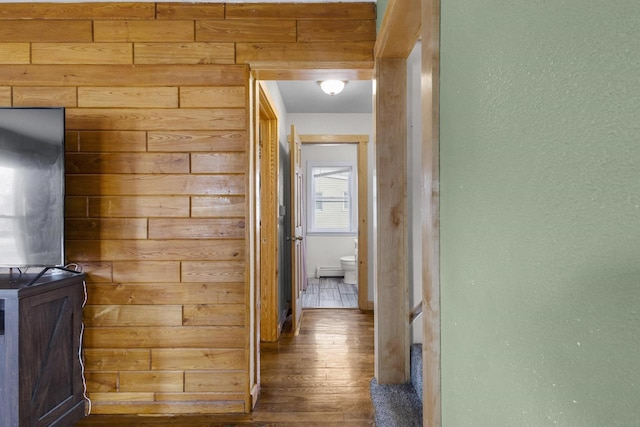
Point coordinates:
[(349, 264)]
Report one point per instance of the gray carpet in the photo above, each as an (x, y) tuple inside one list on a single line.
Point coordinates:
[(400, 405)]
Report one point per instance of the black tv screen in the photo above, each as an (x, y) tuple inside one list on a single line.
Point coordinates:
[(31, 187)]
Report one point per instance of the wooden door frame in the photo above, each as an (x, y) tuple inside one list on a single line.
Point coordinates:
[(363, 200), (269, 166)]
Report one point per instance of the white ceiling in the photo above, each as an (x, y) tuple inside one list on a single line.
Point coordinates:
[(304, 96)]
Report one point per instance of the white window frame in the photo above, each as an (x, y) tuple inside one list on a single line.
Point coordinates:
[(311, 197)]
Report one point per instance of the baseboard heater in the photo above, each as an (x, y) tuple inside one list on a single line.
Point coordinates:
[(329, 272)]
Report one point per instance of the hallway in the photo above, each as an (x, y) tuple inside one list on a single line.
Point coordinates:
[(320, 377)]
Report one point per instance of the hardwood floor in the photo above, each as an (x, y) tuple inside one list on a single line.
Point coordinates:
[(319, 378), (329, 292)]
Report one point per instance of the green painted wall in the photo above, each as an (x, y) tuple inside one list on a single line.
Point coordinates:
[(540, 213), (381, 7)]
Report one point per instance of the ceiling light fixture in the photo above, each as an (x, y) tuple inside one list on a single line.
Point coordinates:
[(332, 87)]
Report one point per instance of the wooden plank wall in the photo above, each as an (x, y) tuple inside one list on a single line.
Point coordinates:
[(158, 173)]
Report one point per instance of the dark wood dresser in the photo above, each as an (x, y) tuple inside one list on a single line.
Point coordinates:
[(40, 370)]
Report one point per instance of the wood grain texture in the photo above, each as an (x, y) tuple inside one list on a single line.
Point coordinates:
[(133, 315), (190, 140), (336, 31), (223, 381), (110, 141), (392, 355), (81, 53), (105, 228), (98, 271), (329, 11), (306, 52), (130, 97), (245, 31), (45, 31), (154, 184), (212, 206), (155, 250), (75, 207), (106, 10), (146, 271), (100, 359), (166, 337), (155, 119), (208, 314), (102, 381), (124, 397), (122, 75), (213, 97), (5, 96), (213, 271), (193, 359), (45, 97), (137, 381), (399, 29), (14, 53), (143, 31), (184, 53), (150, 410), (138, 206), (190, 11), (99, 163), (218, 163), (166, 293), (196, 228)]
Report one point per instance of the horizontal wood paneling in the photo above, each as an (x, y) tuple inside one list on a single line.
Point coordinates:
[(155, 250), (190, 11), (168, 359), (97, 271), (213, 97), (218, 162), (166, 293), (49, 96), (130, 97), (139, 206), (157, 157), (166, 407), (184, 53), (338, 31), (81, 53), (196, 228), (208, 314), (45, 31), (105, 10), (99, 163), (246, 31), (122, 75), (102, 381), (136, 381), (124, 397), (146, 271), (195, 381), (217, 206), (112, 140), (14, 53), (155, 119), (75, 207), (143, 31), (154, 184), (133, 315), (5, 96), (213, 271), (197, 141), (117, 359), (105, 228), (200, 397), (330, 11), (304, 52), (166, 337)]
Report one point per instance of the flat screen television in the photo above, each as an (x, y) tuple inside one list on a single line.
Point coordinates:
[(32, 187)]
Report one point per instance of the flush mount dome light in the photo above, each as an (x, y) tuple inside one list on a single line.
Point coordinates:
[(332, 87)]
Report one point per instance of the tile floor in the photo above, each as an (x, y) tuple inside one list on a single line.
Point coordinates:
[(329, 292)]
